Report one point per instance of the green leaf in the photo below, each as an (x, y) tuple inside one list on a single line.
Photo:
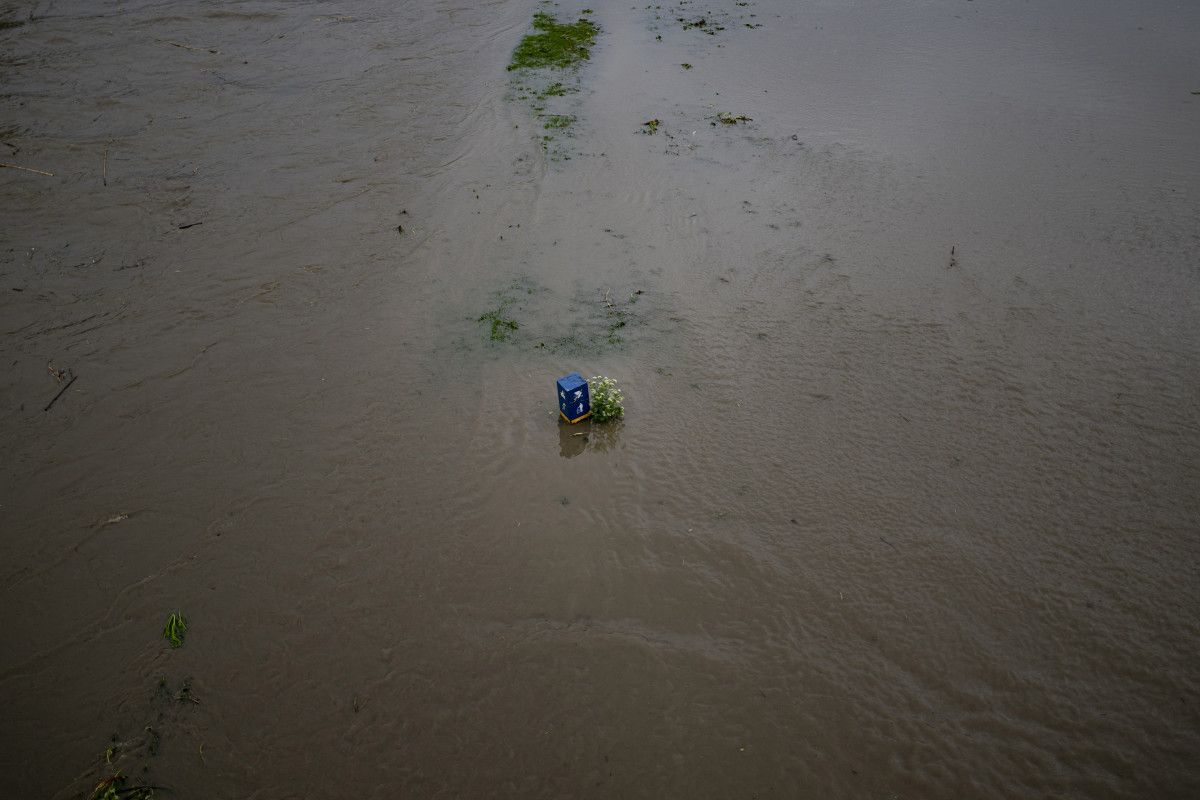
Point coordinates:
[(174, 629)]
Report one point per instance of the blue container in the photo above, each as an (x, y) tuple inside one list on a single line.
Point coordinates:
[(574, 403)]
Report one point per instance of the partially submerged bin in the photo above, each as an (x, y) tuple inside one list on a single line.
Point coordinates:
[(574, 403)]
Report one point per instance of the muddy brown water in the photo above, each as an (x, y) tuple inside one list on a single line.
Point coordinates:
[(905, 502)]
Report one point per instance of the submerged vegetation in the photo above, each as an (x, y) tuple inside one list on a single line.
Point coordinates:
[(555, 44), (558, 121), (550, 50), (174, 630), (590, 324), (729, 118), (123, 753), (111, 789), (502, 326)]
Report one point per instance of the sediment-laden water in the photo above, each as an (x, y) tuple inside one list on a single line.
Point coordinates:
[(904, 502)]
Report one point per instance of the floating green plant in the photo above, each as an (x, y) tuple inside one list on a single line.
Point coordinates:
[(501, 326), (174, 630), (586, 324), (552, 46), (500, 323), (558, 121), (107, 789), (556, 90), (110, 789), (555, 44)]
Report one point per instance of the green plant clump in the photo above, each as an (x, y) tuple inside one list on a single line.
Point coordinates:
[(606, 398), (501, 326), (174, 629), (555, 90), (107, 790), (555, 45), (111, 790)]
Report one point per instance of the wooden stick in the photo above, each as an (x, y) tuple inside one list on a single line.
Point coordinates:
[(186, 47), (60, 393), (104, 169), (27, 169)]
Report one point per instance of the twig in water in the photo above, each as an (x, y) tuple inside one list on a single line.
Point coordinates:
[(889, 544), (27, 169), (186, 47), (60, 392), (104, 169)]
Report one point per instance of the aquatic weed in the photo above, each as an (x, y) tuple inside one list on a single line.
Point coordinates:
[(501, 325), (555, 45), (174, 630), (110, 789), (558, 121)]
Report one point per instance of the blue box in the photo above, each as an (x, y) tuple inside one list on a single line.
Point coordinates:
[(574, 402)]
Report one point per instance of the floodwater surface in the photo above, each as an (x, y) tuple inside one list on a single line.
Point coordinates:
[(904, 300)]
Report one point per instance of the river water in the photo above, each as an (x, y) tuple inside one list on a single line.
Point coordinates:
[(904, 502)]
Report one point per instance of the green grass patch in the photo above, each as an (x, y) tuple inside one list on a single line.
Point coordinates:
[(111, 789), (593, 322), (500, 324), (558, 121), (556, 90), (554, 45), (174, 630), (541, 57)]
